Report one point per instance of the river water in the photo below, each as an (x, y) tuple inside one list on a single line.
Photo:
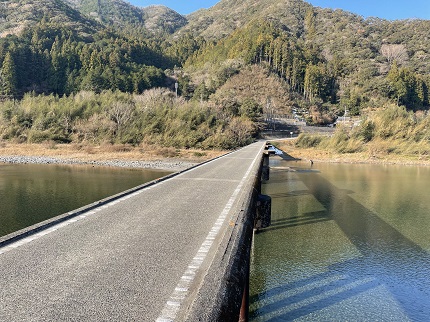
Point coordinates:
[(32, 193), (347, 243)]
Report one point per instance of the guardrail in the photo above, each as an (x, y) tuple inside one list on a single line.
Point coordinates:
[(224, 293)]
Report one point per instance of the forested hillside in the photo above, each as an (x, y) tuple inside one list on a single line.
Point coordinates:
[(234, 60), (332, 58), (59, 50)]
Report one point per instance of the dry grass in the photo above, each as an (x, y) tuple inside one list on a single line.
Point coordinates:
[(374, 153), (106, 152)]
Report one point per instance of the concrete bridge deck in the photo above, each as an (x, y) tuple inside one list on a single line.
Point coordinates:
[(142, 257)]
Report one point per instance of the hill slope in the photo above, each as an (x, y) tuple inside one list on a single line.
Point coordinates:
[(228, 15), (121, 14), (16, 15), (330, 57), (87, 16)]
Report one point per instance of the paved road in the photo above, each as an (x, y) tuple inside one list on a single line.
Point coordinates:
[(137, 259)]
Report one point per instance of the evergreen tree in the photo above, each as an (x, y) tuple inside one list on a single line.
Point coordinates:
[(9, 81), (58, 78)]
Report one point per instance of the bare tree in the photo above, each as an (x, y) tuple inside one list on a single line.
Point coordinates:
[(121, 113), (395, 52)]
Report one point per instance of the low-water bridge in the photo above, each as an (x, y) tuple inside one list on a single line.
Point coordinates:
[(176, 249)]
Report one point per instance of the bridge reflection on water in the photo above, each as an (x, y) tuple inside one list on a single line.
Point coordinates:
[(327, 257)]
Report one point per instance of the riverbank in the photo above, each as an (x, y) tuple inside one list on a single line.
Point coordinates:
[(325, 155), (171, 159), (148, 157)]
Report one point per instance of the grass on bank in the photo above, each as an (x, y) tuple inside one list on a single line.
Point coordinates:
[(388, 135), (155, 118)]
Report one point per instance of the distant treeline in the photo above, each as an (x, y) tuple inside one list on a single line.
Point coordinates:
[(51, 59)]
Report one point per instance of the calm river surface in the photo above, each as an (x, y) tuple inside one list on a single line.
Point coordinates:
[(347, 243), (32, 193)]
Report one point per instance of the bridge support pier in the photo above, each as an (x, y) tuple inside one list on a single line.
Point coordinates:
[(263, 216), (244, 309), (265, 175), (262, 219)]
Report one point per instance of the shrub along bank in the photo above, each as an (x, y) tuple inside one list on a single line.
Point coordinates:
[(389, 131), (155, 117)]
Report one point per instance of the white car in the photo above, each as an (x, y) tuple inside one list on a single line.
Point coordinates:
[(274, 150)]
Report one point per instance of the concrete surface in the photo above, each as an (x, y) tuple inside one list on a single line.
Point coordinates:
[(141, 257)]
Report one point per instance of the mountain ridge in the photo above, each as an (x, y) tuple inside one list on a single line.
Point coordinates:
[(16, 15), (121, 14), (225, 16), (87, 16)]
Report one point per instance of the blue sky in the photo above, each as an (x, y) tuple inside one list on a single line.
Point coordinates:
[(387, 9)]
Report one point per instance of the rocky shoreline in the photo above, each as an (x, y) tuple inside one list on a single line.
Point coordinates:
[(174, 165)]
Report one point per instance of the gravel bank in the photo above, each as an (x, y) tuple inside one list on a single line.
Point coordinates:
[(161, 165)]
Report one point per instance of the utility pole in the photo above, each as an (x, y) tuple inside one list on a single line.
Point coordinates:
[(270, 111)]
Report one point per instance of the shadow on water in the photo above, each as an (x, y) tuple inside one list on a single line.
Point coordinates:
[(288, 157), (307, 219), (315, 293), (387, 259), (289, 194)]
